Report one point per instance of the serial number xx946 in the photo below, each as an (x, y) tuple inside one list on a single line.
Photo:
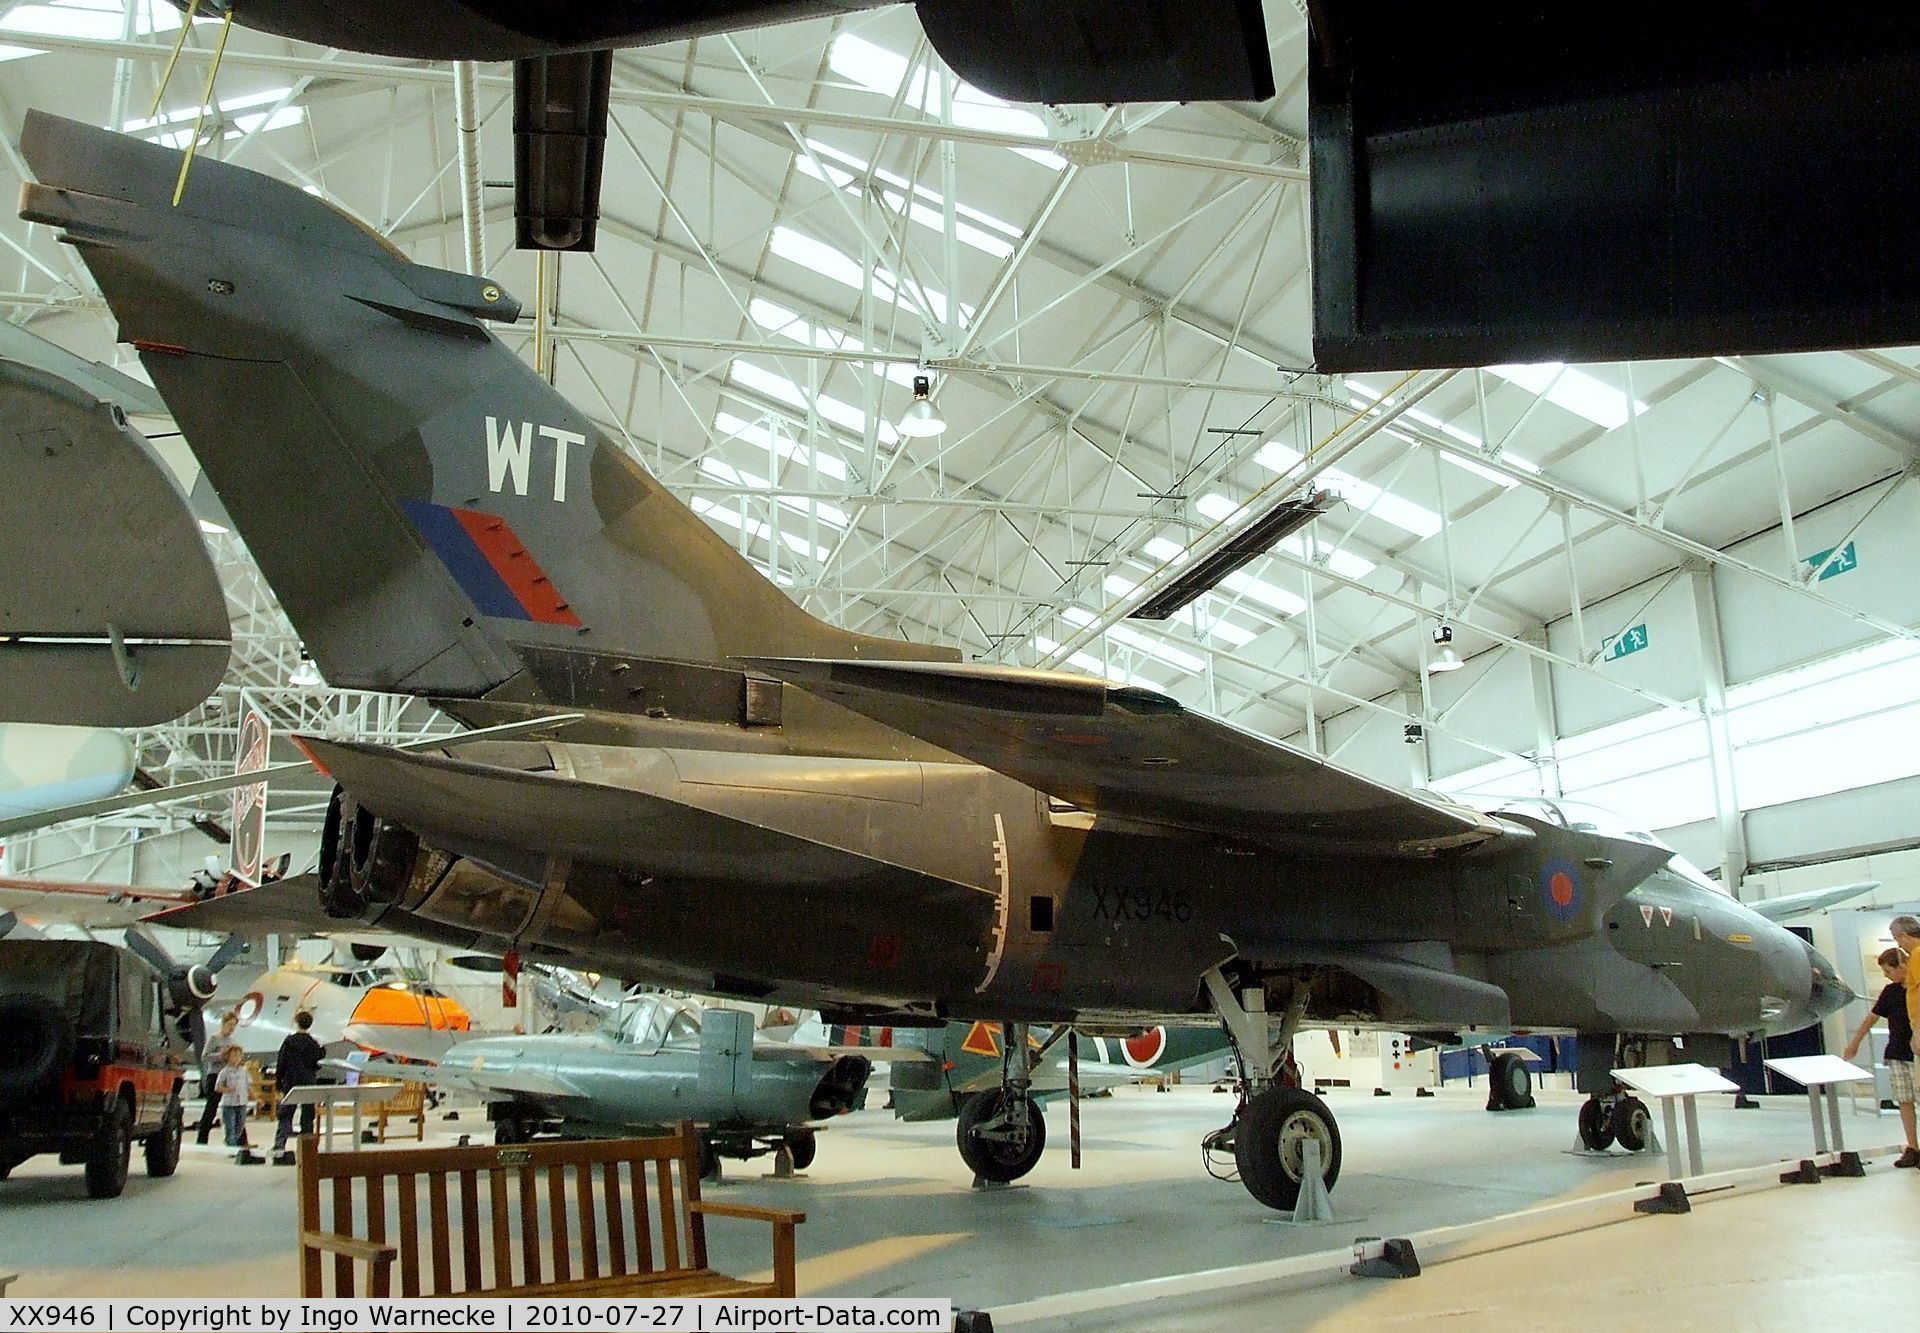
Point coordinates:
[(1143, 905)]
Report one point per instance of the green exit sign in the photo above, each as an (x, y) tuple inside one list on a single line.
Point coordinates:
[(1848, 559), (1625, 644)]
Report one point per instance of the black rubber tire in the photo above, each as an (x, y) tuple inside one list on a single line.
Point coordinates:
[(1267, 1144), (509, 1130), (1596, 1128), (709, 1160), (1510, 1085), (36, 1040), (162, 1147), (801, 1147), (1000, 1161), (110, 1153), (1632, 1124)]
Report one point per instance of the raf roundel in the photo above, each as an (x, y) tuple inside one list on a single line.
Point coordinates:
[(1560, 888)]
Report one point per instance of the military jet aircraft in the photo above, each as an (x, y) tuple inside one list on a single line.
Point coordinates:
[(761, 805), (669, 1060), (1032, 51)]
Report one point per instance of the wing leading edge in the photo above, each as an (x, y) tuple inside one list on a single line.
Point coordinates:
[(1140, 755)]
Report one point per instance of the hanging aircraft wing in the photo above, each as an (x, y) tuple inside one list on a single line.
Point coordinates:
[(288, 906), (1791, 905), (1137, 754), (460, 803)]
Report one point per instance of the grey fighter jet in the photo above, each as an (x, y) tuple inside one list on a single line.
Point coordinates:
[(761, 805), (668, 1060)]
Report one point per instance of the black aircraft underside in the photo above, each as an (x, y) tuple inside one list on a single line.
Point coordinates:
[(1021, 50)]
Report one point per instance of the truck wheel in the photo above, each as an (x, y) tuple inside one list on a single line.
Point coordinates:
[(162, 1147), (109, 1153), (36, 1041)]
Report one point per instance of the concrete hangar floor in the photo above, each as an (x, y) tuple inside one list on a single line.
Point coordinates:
[(890, 1213)]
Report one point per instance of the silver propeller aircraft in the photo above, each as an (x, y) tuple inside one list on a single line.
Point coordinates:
[(668, 1060), (758, 804)]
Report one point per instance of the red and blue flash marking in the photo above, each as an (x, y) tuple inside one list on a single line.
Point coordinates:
[(490, 563)]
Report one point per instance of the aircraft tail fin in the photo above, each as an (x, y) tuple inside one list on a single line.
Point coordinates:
[(434, 517)]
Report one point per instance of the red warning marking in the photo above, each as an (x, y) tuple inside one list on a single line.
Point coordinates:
[(1561, 887), (982, 1039), (1646, 916), (1666, 916)]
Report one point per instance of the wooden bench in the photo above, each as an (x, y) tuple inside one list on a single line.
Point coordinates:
[(470, 1221), (409, 1106)]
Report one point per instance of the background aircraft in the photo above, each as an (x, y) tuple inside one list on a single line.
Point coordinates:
[(762, 805), (1036, 50), (670, 1059)]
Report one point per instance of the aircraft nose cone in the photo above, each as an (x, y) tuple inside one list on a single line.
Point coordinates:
[(1828, 994)]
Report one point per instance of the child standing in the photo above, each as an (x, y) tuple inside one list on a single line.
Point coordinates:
[(1892, 1006), (235, 1086)]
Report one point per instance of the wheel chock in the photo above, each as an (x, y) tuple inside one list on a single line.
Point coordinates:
[(782, 1165), (1396, 1259), (1804, 1174), (972, 1321), (1672, 1198), (1849, 1167), (1314, 1203)]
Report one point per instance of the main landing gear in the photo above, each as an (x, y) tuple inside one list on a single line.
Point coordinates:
[(1002, 1131), (1278, 1127)]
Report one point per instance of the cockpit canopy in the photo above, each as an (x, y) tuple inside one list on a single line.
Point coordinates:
[(655, 1022)]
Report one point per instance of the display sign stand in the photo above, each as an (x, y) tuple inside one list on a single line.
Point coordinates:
[(1821, 1076), (1677, 1088), (327, 1096)]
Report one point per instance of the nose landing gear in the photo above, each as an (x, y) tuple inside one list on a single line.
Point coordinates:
[(1002, 1131)]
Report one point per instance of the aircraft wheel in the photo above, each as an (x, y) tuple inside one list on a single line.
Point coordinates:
[(801, 1147), (991, 1144), (709, 1159), (1269, 1144), (1509, 1085), (162, 1148), (1632, 1124), (1596, 1128), (510, 1130), (109, 1153)]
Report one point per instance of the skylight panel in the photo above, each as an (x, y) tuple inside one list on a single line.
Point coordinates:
[(733, 427), (99, 20), (728, 475), (1572, 389), (1338, 560), (842, 414), (972, 227), (1166, 551), (879, 70), (756, 529), (1245, 585), (784, 323), (175, 128), (1363, 397), (1222, 510), (824, 259), (1161, 651), (1364, 495)]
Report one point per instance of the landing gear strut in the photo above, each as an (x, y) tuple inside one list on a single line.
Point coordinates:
[(1275, 1119), (1002, 1131)]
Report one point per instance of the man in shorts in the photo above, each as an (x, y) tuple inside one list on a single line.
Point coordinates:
[(1892, 1006)]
